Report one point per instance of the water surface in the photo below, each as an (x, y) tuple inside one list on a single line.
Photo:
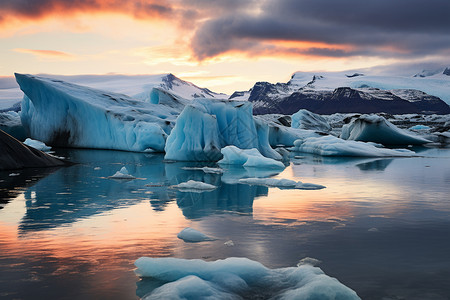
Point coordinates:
[(381, 226)]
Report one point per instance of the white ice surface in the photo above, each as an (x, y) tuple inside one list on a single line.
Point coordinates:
[(205, 169), (37, 145), (234, 278), (333, 146), (281, 183), (191, 235), (194, 186), (373, 128), (232, 155)]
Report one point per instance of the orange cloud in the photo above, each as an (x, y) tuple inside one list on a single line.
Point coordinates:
[(47, 53)]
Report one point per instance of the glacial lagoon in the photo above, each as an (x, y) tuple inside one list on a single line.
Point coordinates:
[(381, 226)]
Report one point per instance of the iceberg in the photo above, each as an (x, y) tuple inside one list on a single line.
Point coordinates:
[(373, 128), (304, 119), (207, 170), (205, 126), (11, 124), (191, 235), (64, 114), (37, 145), (237, 278), (281, 183), (232, 155), (333, 146)]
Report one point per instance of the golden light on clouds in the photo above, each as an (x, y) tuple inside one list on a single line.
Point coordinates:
[(47, 53)]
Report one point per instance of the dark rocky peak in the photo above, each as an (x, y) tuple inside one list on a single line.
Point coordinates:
[(345, 93), (446, 71)]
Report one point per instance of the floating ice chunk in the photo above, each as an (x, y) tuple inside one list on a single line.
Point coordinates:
[(281, 183), (194, 186), (122, 174), (229, 243), (191, 235), (304, 119), (206, 126), (309, 186), (232, 155), (205, 169), (97, 168), (373, 128), (14, 174), (333, 146), (373, 229), (37, 145), (309, 261), (237, 278), (63, 114)]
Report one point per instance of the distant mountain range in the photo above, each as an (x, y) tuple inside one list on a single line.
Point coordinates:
[(330, 93), (427, 92)]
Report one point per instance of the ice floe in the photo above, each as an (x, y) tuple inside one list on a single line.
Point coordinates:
[(281, 183), (333, 146), (237, 278), (194, 186), (191, 235)]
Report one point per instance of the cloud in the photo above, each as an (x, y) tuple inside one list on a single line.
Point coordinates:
[(373, 27), (47, 53)]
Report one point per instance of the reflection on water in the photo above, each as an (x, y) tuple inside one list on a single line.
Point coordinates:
[(380, 226)]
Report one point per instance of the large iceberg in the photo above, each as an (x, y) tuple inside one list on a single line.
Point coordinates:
[(333, 146), (204, 127), (373, 128), (237, 278), (63, 114)]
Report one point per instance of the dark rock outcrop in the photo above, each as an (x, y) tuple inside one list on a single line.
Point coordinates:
[(16, 155)]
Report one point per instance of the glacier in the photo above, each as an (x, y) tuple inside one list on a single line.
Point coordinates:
[(236, 278), (205, 126), (373, 128), (64, 114)]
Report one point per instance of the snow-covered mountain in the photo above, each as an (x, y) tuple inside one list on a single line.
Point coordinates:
[(329, 93), (136, 86)]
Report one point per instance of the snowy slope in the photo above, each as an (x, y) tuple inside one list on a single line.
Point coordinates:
[(346, 92)]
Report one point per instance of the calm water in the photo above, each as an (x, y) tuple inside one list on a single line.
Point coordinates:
[(382, 226)]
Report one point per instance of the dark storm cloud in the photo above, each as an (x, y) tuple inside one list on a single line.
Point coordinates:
[(405, 27), (33, 9)]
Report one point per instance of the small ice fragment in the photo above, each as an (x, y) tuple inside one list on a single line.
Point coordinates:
[(14, 174), (229, 243), (191, 235), (205, 169), (97, 168), (309, 186), (37, 145), (309, 261), (122, 174), (373, 229)]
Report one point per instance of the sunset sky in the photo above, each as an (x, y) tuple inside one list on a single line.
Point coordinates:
[(225, 45)]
